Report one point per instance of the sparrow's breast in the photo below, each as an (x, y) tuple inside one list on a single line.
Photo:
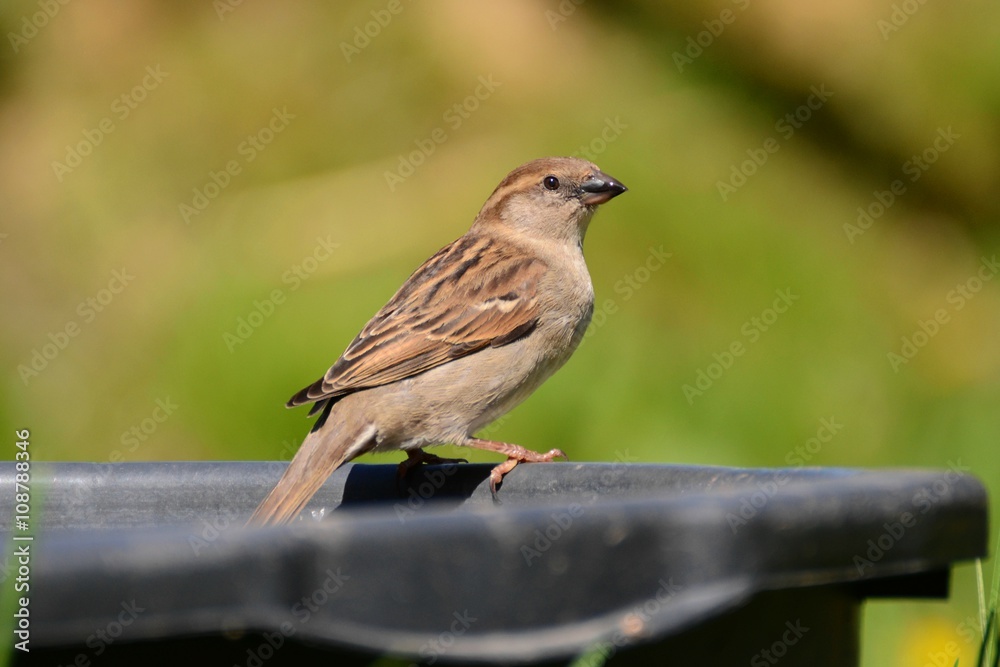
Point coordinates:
[(568, 304), (457, 399)]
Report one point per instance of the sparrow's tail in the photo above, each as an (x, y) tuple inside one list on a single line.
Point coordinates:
[(325, 449)]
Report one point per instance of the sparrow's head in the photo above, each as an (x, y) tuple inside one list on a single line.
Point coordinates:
[(551, 198)]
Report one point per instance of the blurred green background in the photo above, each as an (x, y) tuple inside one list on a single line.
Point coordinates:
[(753, 135)]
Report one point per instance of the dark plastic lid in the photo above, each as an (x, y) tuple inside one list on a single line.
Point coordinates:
[(575, 553)]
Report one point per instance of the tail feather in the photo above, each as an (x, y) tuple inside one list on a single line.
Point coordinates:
[(323, 451)]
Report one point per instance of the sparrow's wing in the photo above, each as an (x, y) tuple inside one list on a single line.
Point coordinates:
[(472, 294)]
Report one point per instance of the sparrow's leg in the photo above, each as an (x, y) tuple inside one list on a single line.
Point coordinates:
[(515, 454), (415, 457)]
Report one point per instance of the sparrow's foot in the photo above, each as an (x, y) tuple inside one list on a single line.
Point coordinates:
[(416, 457), (515, 454)]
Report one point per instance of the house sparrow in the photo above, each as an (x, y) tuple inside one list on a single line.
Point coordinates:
[(474, 330)]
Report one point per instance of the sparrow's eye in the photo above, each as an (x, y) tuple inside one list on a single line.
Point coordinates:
[(551, 183)]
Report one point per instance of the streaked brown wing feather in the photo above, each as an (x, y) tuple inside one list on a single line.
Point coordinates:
[(450, 307)]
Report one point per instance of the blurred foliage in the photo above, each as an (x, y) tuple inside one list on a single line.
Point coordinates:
[(113, 116)]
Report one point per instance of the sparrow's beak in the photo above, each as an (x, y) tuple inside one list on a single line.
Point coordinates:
[(599, 188)]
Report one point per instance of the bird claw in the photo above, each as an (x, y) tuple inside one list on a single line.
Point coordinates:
[(498, 472), (419, 457)]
